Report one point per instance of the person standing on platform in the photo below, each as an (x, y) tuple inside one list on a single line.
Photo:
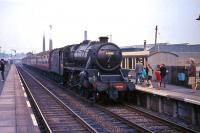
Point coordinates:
[(163, 72), (144, 75), (2, 68), (150, 75), (192, 75), (138, 70), (158, 76)]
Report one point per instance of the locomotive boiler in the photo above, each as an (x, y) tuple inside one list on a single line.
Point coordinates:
[(94, 55)]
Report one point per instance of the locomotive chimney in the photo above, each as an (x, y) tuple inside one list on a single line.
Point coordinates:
[(50, 39), (103, 39), (85, 35), (145, 45), (43, 42)]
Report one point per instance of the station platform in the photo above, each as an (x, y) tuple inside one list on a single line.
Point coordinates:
[(174, 92), (16, 115)]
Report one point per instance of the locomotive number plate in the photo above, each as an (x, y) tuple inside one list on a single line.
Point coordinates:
[(109, 53)]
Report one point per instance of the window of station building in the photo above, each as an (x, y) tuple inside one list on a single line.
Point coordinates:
[(133, 62), (123, 63), (130, 63)]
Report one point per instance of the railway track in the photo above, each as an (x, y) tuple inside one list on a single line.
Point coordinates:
[(94, 117), (113, 118), (56, 115), (152, 124)]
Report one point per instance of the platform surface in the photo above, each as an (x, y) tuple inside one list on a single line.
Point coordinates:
[(16, 115), (174, 92)]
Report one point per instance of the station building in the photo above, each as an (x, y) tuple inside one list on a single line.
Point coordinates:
[(162, 53), (174, 56), (183, 51), (167, 58), (132, 55)]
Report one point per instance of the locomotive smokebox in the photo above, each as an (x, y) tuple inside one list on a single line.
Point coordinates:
[(103, 39)]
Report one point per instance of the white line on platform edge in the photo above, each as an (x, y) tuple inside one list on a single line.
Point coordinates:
[(28, 104), (190, 100), (25, 94), (22, 88), (34, 120)]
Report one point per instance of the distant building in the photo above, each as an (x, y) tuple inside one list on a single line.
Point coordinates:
[(167, 58), (184, 52), (169, 54), (132, 55)]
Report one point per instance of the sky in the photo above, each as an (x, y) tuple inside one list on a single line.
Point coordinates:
[(24, 22)]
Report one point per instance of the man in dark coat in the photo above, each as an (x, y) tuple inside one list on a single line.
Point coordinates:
[(2, 68), (163, 72)]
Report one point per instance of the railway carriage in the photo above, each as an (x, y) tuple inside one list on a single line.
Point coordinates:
[(43, 61), (56, 64)]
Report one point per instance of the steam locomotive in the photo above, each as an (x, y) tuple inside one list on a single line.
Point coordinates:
[(91, 66)]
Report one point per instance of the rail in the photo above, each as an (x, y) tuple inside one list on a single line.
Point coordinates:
[(83, 122)]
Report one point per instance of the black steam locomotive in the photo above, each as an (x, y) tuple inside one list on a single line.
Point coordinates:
[(91, 66)]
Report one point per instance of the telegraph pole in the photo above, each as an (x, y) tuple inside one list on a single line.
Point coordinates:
[(156, 32)]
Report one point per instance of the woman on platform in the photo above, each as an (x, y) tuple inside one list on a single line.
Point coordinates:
[(192, 75), (150, 75), (158, 76)]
